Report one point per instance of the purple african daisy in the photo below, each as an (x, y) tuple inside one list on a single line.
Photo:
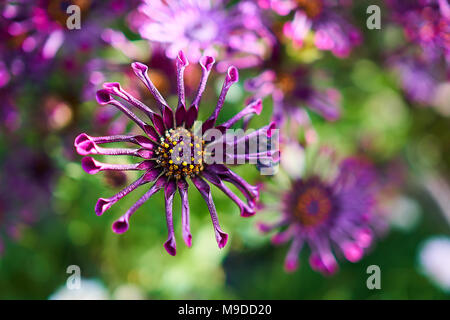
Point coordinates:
[(25, 190), (425, 22), (332, 31), (32, 33), (330, 212), (174, 151), (423, 64), (418, 79), (292, 91), (237, 35)]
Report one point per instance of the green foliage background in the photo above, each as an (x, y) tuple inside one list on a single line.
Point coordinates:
[(249, 267)]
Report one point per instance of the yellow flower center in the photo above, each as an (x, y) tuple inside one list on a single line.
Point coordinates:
[(180, 153)]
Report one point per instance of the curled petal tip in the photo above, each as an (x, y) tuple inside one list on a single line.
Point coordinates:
[(222, 238), (262, 227), (139, 67), (112, 86), (182, 59), (290, 265), (315, 262), (247, 213), (327, 265), (272, 125), (87, 147), (120, 226), (101, 206), (170, 246), (353, 252), (103, 96), (232, 74), (188, 240), (207, 62), (258, 106), (364, 237), (330, 269), (81, 138), (90, 165), (278, 238)]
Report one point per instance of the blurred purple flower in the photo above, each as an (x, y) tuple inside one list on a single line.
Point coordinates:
[(169, 131), (25, 190), (328, 212), (331, 30), (418, 79), (33, 32), (9, 114), (236, 35), (290, 92), (427, 23)]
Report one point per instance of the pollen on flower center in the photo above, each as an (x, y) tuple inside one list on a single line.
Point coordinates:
[(313, 206), (180, 153)]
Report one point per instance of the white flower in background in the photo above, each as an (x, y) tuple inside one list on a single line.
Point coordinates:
[(434, 259), (89, 290), (293, 159), (404, 213), (128, 292)]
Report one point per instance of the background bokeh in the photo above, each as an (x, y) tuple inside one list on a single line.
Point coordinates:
[(47, 219)]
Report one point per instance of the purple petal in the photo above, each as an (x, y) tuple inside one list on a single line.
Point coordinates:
[(232, 77), (283, 236), (246, 211), (191, 116), (103, 98), (168, 118), (205, 191), (253, 107), (158, 122), (265, 228), (122, 224), (352, 251), (249, 191), (152, 133), (180, 115), (206, 63), (169, 192), (90, 147), (92, 166), (104, 204), (136, 139), (291, 262), (83, 137), (182, 62), (116, 89), (325, 261), (140, 70), (364, 237), (183, 190)]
